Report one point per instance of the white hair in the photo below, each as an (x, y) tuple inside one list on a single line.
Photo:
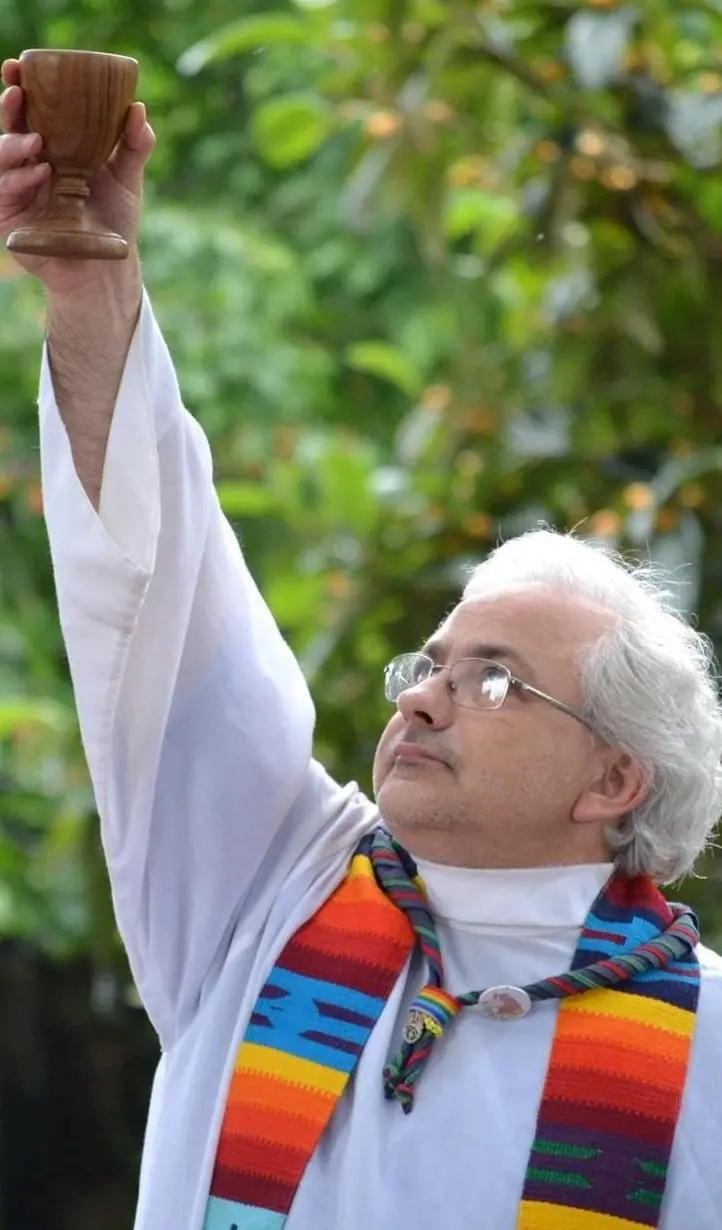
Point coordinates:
[(650, 686)]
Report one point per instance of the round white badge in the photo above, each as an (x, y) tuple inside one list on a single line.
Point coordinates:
[(504, 1003), (414, 1029)]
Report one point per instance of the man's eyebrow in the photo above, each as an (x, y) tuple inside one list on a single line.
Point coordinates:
[(438, 652)]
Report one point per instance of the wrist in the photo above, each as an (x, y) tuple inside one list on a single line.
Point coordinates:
[(108, 300)]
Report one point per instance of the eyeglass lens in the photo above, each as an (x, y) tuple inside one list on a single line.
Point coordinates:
[(474, 682)]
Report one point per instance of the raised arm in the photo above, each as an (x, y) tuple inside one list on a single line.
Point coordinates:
[(196, 721)]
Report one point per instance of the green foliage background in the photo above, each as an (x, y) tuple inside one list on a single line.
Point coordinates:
[(431, 271)]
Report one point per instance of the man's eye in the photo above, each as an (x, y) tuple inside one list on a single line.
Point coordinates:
[(492, 682)]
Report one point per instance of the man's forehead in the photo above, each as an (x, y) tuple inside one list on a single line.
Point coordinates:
[(525, 622)]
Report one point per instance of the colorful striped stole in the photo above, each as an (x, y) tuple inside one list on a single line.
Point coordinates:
[(612, 1093), (615, 1079)]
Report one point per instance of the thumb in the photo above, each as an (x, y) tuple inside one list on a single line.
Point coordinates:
[(136, 144)]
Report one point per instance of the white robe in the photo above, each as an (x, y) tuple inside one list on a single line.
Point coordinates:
[(223, 835)]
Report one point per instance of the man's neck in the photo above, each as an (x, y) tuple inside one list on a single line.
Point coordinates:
[(453, 847)]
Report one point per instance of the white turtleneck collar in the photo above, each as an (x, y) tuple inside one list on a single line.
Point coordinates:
[(521, 899)]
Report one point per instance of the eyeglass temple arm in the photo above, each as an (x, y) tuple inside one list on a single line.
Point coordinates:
[(551, 700)]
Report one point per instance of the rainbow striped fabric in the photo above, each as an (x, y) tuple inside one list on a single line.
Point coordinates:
[(323, 997), (615, 1079), (613, 1087)]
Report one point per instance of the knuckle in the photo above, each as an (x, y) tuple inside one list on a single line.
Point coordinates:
[(9, 101), (11, 185), (13, 151)]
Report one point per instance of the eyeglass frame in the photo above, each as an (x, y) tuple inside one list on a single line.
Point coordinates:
[(513, 681)]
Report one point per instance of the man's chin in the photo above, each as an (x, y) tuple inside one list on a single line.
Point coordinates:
[(406, 801)]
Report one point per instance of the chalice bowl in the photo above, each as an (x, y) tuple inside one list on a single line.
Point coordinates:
[(78, 102)]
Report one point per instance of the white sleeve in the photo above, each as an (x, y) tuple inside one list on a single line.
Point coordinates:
[(195, 717)]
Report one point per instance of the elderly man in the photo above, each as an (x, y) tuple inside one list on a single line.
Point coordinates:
[(464, 1005)]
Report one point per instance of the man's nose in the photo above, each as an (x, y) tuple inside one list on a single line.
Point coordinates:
[(429, 702)]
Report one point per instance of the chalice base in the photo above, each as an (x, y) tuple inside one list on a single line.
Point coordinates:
[(59, 239)]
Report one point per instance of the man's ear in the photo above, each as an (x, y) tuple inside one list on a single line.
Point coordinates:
[(621, 784)]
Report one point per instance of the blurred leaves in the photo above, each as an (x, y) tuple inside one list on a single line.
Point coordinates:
[(596, 44), (430, 273), (247, 34), (388, 363), (289, 129)]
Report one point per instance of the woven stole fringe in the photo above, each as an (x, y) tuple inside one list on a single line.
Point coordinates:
[(611, 1098)]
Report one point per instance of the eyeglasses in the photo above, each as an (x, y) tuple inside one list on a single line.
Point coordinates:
[(474, 683)]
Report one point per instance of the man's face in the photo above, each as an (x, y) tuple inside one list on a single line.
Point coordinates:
[(499, 787)]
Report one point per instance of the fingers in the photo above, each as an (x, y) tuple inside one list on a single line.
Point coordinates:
[(17, 149), (10, 72), (12, 110), (134, 149), (23, 179), (138, 134), (20, 174), (19, 186)]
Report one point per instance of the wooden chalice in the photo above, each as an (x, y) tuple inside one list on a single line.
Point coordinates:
[(78, 102)]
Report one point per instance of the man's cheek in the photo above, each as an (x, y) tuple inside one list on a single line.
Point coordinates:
[(383, 760), (379, 771), (382, 764)]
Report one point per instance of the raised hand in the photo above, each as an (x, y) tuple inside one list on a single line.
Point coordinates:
[(25, 187)]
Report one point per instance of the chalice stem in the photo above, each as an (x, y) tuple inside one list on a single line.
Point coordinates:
[(65, 232), (70, 192)]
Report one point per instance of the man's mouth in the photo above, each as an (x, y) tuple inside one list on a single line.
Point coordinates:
[(407, 752)]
